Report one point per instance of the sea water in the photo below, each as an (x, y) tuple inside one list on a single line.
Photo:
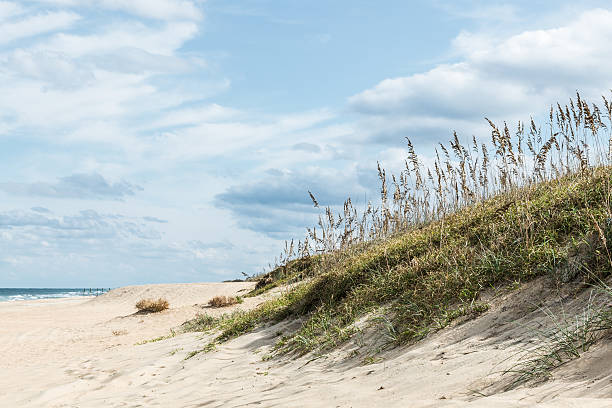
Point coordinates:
[(13, 294)]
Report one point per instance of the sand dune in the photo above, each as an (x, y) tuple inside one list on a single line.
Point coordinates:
[(179, 295), (82, 353)]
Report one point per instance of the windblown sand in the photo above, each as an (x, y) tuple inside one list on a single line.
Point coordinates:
[(83, 353)]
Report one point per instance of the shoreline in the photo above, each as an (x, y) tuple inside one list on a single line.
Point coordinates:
[(21, 301), (101, 291)]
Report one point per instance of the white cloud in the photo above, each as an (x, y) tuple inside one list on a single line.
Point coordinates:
[(155, 9), (87, 224), (59, 2), (9, 9), (456, 90), (35, 104), (35, 25), (211, 138), (108, 248), (189, 116), (48, 67), (505, 78), (84, 83), (154, 40), (79, 186), (132, 60)]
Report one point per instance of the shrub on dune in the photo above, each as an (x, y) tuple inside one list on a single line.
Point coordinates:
[(222, 301), (152, 305)]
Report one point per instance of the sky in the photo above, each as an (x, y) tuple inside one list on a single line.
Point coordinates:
[(151, 141)]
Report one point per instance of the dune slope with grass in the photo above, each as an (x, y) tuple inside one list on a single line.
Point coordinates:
[(538, 205), (483, 281)]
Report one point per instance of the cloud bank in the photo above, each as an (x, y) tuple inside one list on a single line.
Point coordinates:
[(503, 78), (81, 186), (96, 93)]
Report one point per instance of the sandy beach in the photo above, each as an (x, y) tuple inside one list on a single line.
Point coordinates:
[(83, 352)]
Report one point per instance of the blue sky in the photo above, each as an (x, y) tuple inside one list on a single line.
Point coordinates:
[(176, 140)]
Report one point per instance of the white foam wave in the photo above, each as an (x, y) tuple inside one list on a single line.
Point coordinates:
[(36, 296)]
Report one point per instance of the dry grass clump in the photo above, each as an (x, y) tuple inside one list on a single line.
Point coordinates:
[(223, 301), (152, 305)]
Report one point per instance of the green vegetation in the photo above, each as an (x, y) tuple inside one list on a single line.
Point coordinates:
[(430, 275), (540, 205), (160, 338), (291, 271), (201, 323)]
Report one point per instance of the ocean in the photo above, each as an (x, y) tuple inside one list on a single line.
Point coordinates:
[(13, 294)]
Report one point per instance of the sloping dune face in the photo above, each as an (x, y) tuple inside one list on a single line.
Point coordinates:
[(98, 353)]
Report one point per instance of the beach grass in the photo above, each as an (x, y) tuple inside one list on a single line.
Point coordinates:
[(539, 204)]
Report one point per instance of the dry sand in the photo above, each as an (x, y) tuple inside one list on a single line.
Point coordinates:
[(83, 353)]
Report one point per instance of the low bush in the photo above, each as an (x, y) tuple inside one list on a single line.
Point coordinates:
[(152, 305), (223, 301)]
